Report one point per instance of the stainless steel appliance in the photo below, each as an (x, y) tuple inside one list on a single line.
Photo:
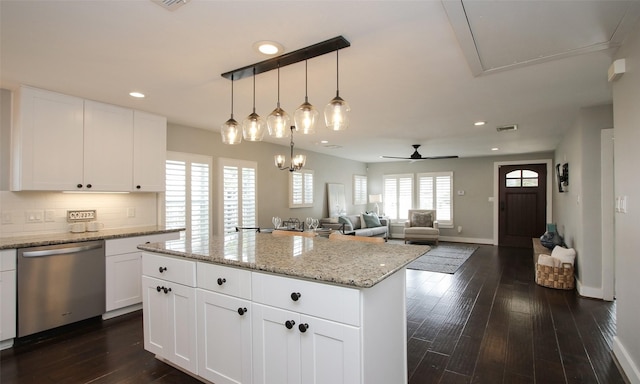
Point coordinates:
[(60, 284)]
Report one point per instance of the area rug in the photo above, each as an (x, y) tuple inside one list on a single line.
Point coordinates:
[(443, 258)]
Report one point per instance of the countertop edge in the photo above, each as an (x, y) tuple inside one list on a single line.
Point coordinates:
[(37, 240)]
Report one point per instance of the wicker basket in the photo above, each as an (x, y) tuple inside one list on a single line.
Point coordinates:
[(555, 277)]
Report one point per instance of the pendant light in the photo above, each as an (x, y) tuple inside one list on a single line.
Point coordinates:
[(278, 120), (253, 125), (336, 113), (306, 115), (231, 131)]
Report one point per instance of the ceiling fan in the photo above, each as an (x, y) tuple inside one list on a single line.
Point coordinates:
[(417, 156)]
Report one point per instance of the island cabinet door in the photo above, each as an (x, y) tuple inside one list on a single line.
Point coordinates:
[(330, 352), (224, 338), (155, 311), (276, 346), (169, 312)]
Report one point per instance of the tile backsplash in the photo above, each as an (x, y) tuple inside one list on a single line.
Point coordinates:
[(114, 210)]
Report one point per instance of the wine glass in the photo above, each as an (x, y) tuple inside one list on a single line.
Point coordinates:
[(315, 223), (309, 222), (276, 222)]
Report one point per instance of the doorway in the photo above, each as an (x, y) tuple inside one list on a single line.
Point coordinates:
[(522, 203)]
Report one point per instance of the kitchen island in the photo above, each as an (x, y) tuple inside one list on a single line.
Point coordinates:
[(259, 308)]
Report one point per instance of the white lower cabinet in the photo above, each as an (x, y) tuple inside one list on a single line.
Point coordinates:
[(169, 310), (7, 297), (224, 338), (260, 328), (290, 348), (123, 269)]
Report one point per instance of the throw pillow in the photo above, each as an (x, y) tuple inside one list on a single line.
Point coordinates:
[(421, 219), (348, 224), (372, 220), (363, 224)]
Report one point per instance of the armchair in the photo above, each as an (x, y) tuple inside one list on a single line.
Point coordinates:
[(422, 226)]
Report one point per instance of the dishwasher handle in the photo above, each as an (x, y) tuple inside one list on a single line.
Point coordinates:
[(61, 251)]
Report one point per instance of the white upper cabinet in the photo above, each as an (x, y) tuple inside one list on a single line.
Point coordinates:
[(47, 141), (149, 152), (108, 147), (65, 143)]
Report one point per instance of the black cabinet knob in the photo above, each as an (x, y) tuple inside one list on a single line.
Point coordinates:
[(162, 269), (242, 311), (158, 288), (138, 187), (79, 185), (303, 327), (295, 296), (89, 185), (166, 290), (289, 324), (221, 280)]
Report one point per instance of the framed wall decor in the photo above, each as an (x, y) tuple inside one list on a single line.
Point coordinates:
[(336, 202)]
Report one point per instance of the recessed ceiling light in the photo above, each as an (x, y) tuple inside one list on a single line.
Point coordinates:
[(138, 95), (479, 123), (324, 141), (268, 47), (495, 148)]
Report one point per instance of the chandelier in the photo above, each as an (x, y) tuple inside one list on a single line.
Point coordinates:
[(336, 113)]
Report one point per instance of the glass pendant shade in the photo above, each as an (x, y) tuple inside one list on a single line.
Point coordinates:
[(336, 114), (231, 132), (298, 162), (278, 123), (279, 161), (253, 127), (305, 118)]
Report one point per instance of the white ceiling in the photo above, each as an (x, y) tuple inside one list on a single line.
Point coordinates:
[(417, 72)]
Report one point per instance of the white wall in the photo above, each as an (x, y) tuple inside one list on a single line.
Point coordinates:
[(626, 111), (577, 211)]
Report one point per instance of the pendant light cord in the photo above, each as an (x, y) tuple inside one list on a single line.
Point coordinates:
[(278, 85), (232, 96), (254, 89), (337, 73), (306, 96)]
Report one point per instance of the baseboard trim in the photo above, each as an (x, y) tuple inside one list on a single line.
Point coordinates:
[(121, 311), (472, 240), (591, 292), (627, 364)]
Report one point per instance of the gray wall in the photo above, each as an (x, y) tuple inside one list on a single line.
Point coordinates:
[(473, 210), (577, 211), (273, 187), (626, 99)]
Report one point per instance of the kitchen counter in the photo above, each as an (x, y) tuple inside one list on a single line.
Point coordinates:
[(348, 263), (68, 237)]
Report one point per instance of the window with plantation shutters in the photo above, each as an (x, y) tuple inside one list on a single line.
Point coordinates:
[(186, 198), (359, 189), (435, 191), (238, 184), (398, 196), (301, 189)]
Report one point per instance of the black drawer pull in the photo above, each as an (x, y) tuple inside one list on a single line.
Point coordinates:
[(162, 269), (242, 311), (303, 327), (221, 280), (295, 296), (289, 324)]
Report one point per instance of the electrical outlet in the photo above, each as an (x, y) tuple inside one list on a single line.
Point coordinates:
[(49, 215), (131, 212), (34, 216)]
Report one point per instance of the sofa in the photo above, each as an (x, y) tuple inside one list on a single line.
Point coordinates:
[(353, 224)]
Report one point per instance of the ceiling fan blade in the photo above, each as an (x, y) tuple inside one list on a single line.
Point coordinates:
[(417, 156), (439, 157)]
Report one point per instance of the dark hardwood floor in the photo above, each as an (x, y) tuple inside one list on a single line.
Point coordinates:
[(487, 323)]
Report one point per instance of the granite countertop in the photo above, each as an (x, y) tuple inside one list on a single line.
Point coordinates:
[(37, 240), (348, 263)]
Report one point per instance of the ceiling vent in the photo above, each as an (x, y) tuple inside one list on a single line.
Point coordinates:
[(507, 128), (171, 5)]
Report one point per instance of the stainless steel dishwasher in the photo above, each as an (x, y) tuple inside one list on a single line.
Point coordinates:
[(60, 284)]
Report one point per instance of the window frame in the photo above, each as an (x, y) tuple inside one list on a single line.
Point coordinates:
[(391, 205), (307, 175), (188, 159), (240, 164), (360, 189), (434, 195)]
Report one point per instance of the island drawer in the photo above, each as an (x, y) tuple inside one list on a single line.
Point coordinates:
[(169, 268), (326, 301), (226, 280)]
